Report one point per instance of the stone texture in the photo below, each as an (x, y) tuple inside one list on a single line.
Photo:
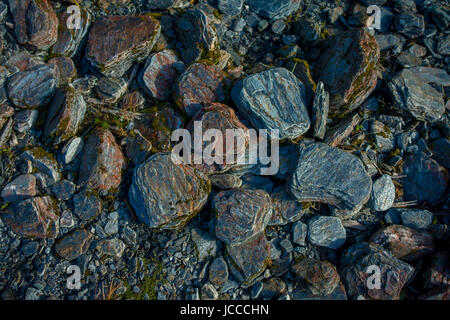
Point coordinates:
[(415, 218), (205, 244), (342, 130), (273, 99), (110, 90), (35, 23), (66, 69), (73, 244), (218, 272), (299, 233), (166, 195), (383, 194), (326, 232), (285, 208), (320, 108), (168, 4), (111, 247), (437, 273), (160, 73), (43, 161), (348, 188), (441, 152), (225, 181), (71, 149), (354, 266), (87, 205), (33, 218), (63, 189), (274, 9), (21, 188), (405, 243), (230, 7), (116, 42), (409, 24), (33, 88), (138, 148), (348, 68), (102, 162), (200, 84)]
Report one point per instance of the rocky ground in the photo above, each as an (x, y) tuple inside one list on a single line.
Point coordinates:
[(86, 117)]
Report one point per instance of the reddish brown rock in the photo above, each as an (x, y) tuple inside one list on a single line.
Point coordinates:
[(67, 69), (437, 274), (199, 85), (35, 23), (404, 243), (33, 218), (20, 188), (102, 162), (342, 130), (116, 42), (74, 244)]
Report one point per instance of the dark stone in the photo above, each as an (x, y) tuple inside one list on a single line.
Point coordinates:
[(63, 189), (326, 232), (285, 208), (110, 90), (230, 7), (43, 161), (441, 152), (87, 205), (437, 273), (342, 130), (320, 110), (274, 9), (218, 272), (74, 244), (21, 188), (138, 148), (168, 4), (409, 24)]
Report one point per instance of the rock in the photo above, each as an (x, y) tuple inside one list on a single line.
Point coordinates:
[(33, 88), (320, 109), (199, 85), (43, 161), (299, 232), (348, 68), (205, 244), (160, 73), (110, 90), (241, 213), (87, 205), (116, 42), (383, 194), (197, 34), (355, 272), (405, 243), (342, 130), (285, 208), (311, 180), (416, 97), (30, 248), (223, 157), (111, 247), (218, 272), (33, 218), (273, 99), (392, 216), (441, 152), (272, 288), (63, 189), (65, 115), (425, 179), (102, 162), (25, 120), (409, 24), (168, 4), (72, 148), (326, 232), (230, 7), (225, 181), (257, 182), (305, 294), (21, 188), (274, 9), (67, 220), (415, 218), (74, 244), (167, 195), (35, 23), (209, 292), (320, 277), (70, 41), (66, 69), (437, 274), (112, 226), (440, 15), (138, 148)]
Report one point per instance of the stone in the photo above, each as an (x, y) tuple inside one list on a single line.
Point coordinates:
[(66, 69), (272, 288), (43, 161), (25, 120), (63, 189), (110, 90), (218, 272), (342, 130), (320, 110), (138, 148), (348, 68), (257, 182), (67, 220), (111, 247), (354, 267), (348, 188), (425, 180), (209, 292), (274, 9), (87, 204), (35, 23), (240, 214), (273, 99), (326, 232), (230, 7), (441, 152), (437, 273), (71, 149), (405, 243), (299, 232), (21, 188), (74, 244), (320, 277), (415, 218), (410, 24), (225, 181), (33, 88), (196, 32), (167, 195), (415, 96), (102, 162), (440, 15), (168, 4), (30, 248), (205, 244), (33, 218), (383, 194), (302, 293), (159, 74), (116, 42), (65, 115), (285, 208), (199, 85), (112, 226)]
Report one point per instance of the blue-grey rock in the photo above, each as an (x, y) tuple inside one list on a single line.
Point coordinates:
[(218, 272), (299, 232), (21, 188), (71, 149), (63, 189), (74, 244), (274, 9), (410, 24), (43, 161), (111, 247), (230, 7), (87, 205), (441, 152), (285, 208), (383, 194), (320, 110), (25, 120), (273, 99), (205, 244), (416, 218), (324, 231)]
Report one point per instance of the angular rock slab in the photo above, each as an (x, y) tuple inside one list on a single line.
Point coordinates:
[(326, 232), (160, 73), (241, 213), (274, 9), (33, 218), (102, 163), (74, 244), (330, 175), (33, 88), (404, 243), (21, 188), (200, 84), (43, 161), (35, 23), (415, 97), (116, 42), (347, 67), (167, 195), (321, 105), (354, 266), (273, 99)]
